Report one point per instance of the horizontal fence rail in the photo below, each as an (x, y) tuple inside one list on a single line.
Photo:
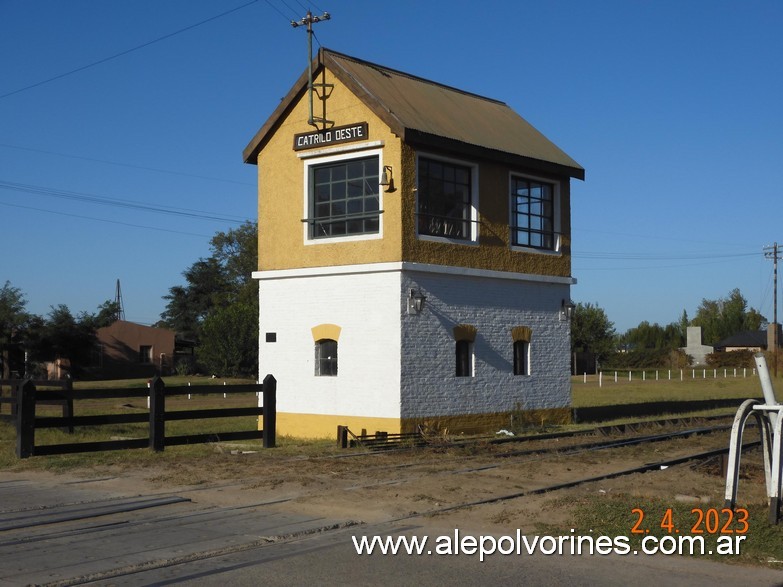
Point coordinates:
[(26, 396), (628, 375)]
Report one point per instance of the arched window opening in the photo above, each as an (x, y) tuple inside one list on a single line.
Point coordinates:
[(326, 358)]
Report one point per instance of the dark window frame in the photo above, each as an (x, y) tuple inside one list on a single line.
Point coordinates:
[(326, 355), (344, 197), (533, 215), (521, 357), (446, 199), (463, 350)]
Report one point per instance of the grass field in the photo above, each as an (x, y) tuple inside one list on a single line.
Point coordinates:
[(589, 393)]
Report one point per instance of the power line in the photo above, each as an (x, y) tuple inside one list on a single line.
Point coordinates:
[(104, 220), (127, 51), (119, 164), (280, 12), (115, 202)]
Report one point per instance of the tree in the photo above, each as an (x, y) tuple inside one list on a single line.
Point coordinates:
[(724, 317), (227, 334), (14, 321), (221, 295), (653, 337), (223, 278), (592, 331), (63, 336)]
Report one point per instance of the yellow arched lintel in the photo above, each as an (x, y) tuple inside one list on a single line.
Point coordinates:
[(465, 332), (323, 331), (521, 333)]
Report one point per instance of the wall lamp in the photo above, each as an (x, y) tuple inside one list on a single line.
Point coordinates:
[(566, 310), (387, 178), (416, 302)]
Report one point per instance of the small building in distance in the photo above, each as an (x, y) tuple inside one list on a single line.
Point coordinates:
[(128, 350), (749, 340)]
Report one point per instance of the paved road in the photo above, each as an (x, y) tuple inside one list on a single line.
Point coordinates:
[(72, 533)]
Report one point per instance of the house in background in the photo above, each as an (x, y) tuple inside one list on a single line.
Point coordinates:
[(129, 350), (750, 340), (414, 255)]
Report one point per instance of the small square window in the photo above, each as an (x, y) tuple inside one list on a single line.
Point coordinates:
[(145, 355)]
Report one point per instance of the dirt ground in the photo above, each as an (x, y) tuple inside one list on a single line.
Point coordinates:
[(422, 483)]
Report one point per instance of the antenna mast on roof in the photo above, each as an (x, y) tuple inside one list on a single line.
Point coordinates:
[(118, 303), (308, 21)]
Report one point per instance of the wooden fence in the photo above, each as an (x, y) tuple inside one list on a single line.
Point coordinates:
[(27, 396)]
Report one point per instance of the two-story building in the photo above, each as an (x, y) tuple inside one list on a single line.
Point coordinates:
[(414, 256)]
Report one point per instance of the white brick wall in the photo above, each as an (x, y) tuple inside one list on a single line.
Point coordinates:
[(391, 364), (429, 385)]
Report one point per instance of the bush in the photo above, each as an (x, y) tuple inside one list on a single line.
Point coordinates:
[(732, 359), (647, 359)]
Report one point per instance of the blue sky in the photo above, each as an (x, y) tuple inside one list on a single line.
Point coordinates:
[(107, 107)]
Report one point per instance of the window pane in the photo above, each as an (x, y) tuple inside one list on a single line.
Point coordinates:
[(463, 358), (326, 357), (520, 357), (342, 189), (444, 199), (532, 217)]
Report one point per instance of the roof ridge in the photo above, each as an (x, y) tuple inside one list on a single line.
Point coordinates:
[(384, 68)]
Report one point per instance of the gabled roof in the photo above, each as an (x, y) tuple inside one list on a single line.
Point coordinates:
[(749, 339), (426, 113)]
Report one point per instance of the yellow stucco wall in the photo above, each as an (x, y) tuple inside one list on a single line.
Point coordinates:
[(281, 202), (494, 251), (281, 205)]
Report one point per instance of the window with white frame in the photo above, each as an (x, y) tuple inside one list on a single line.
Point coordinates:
[(446, 199), (533, 204), (343, 197)]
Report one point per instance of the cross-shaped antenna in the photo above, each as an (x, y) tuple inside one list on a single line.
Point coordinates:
[(308, 21)]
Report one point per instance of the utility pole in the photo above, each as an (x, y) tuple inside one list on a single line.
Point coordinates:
[(773, 253), (308, 22)]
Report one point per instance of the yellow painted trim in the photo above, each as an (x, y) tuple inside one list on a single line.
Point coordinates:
[(465, 332), (524, 333), (325, 426), (324, 331)]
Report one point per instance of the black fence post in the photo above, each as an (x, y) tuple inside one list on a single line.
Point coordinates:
[(342, 436), (157, 414), (270, 411), (25, 419), (68, 405)]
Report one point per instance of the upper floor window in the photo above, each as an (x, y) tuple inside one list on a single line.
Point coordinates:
[(446, 199), (533, 214), (344, 198)]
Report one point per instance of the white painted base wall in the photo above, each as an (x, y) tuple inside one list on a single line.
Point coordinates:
[(395, 365)]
